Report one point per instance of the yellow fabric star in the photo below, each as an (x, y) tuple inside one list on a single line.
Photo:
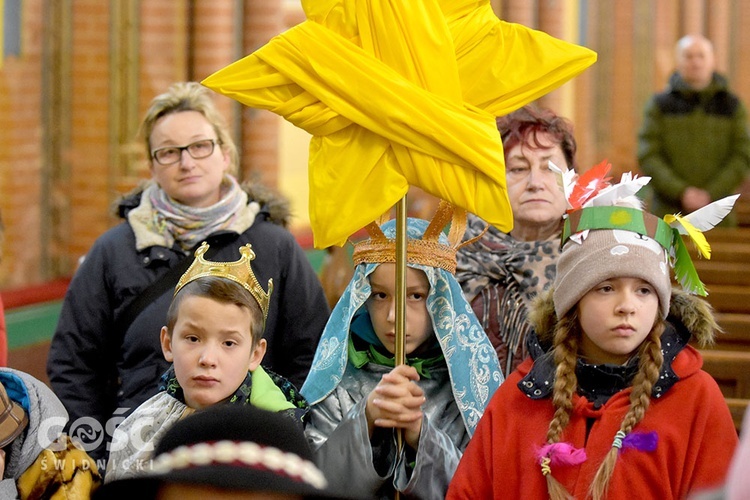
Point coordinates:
[(400, 93)]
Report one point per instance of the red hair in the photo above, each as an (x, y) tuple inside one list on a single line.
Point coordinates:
[(523, 126)]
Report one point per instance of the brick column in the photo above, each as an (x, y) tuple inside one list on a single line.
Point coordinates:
[(89, 125), (622, 125), (719, 32), (741, 73), (585, 100), (214, 45), (666, 33), (694, 17), (163, 48), (519, 11), (264, 19), (20, 160), (552, 17)]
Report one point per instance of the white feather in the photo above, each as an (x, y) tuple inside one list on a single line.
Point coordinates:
[(565, 180), (709, 216), (580, 237), (628, 186)]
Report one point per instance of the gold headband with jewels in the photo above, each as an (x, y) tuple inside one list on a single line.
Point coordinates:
[(238, 271), (427, 251)]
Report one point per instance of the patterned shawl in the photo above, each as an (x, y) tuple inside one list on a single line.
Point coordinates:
[(500, 277)]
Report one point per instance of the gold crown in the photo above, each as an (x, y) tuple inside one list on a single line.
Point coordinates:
[(238, 271), (427, 251)]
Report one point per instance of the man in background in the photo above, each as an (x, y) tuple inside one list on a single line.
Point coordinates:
[(693, 141)]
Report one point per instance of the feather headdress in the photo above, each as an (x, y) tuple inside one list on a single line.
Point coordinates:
[(594, 203)]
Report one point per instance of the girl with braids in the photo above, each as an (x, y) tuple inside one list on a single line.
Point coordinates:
[(612, 402)]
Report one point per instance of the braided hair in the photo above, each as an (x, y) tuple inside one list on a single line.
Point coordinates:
[(649, 365), (566, 338)]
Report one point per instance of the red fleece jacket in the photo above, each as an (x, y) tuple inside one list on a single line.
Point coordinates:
[(695, 444)]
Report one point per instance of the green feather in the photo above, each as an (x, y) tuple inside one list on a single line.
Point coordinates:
[(684, 269)]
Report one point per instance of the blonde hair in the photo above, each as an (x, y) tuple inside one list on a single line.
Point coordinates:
[(189, 96), (566, 339)]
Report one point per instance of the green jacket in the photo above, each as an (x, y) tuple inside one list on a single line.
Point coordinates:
[(693, 138)]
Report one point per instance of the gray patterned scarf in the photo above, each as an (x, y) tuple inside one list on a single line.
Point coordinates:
[(499, 258), (159, 220)]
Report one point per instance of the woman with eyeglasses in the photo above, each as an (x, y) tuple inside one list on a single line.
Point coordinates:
[(105, 358)]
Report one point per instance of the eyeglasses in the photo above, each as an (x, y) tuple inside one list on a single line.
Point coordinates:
[(172, 154)]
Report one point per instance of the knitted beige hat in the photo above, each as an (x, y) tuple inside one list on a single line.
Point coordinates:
[(607, 234), (610, 253)]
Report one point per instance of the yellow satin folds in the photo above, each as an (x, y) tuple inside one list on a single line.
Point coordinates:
[(398, 93)]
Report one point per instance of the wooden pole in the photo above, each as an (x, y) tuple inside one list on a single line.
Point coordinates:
[(399, 354)]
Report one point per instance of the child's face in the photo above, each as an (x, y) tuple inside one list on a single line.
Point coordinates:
[(616, 316), (382, 307), (211, 348)]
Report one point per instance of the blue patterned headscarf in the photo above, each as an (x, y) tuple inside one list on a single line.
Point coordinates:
[(472, 362)]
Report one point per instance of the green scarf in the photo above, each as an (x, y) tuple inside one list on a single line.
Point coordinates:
[(371, 355)]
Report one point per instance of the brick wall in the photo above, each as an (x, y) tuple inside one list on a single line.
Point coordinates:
[(214, 44), (90, 189), (20, 157), (260, 128), (163, 49)]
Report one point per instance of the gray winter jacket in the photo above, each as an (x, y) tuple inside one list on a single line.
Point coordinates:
[(364, 468)]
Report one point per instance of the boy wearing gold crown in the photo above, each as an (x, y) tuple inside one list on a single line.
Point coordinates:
[(358, 398), (213, 338)]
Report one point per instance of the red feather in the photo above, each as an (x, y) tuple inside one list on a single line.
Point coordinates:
[(589, 184)]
